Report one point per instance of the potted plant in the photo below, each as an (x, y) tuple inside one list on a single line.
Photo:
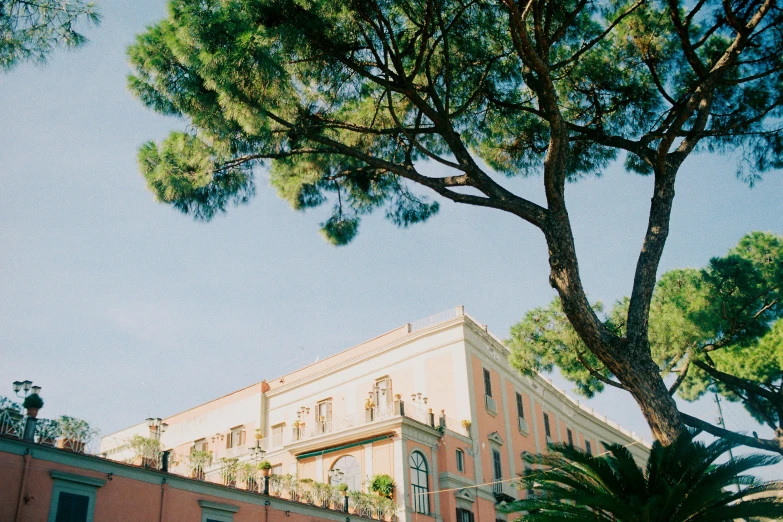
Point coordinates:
[(466, 424), (383, 485), (198, 460), (246, 474), (228, 471), (259, 434), (33, 403), (76, 433), (146, 451), (266, 467), (47, 430)]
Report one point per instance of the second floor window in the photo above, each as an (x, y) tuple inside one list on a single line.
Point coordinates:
[(487, 383), (420, 483), (236, 437), (547, 429), (588, 448), (520, 406), (570, 435), (277, 436), (460, 461), (464, 515)]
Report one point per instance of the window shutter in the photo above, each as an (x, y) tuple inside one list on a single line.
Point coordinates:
[(329, 410), (459, 514), (470, 516)]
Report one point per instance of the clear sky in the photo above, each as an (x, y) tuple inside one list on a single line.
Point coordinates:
[(122, 308)]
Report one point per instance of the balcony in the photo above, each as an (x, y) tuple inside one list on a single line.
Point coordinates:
[(489, 402)]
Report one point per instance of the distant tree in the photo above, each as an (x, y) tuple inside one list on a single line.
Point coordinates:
[(31, 29), (681, 483), (719, 329), (350, 101)]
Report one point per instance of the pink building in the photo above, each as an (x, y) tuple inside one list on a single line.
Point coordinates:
[(434, 404)]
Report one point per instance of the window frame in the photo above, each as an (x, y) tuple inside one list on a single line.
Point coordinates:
[(588, 447), (520, 406), (547, 426), (487, 382), (217, 511), (570, 435), (75, 485), (273, 441), (420, 495), (460, 460)]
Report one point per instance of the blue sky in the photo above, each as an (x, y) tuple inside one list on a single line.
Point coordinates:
[(122, 308)]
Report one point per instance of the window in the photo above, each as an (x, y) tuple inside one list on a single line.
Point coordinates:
[(497, 471), (201, 445), (277, 469), (73, 497), (487, 383), (420, 483), (520, 406), (528, 471), (346, 470), (547, 429), (383, 392), (236, 438), (460, 461), (464, 515), (72, 507), (588, 448), (217, 511), (570, 437), (323, 416), (277, 435)]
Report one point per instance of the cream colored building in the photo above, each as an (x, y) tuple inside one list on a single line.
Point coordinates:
[(434, 404)]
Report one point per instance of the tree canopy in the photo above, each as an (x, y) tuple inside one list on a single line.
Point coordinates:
[(349, 102), (31, 29), (719, 329)]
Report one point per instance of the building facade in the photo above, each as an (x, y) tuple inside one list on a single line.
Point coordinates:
[(433, 404)]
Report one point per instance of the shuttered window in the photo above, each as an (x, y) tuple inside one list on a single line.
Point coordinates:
[(487, 383), (72, 508), (520, 407)]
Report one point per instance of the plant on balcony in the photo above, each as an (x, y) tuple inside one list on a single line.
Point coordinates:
[(343, 487), (10, 417), (266, 467), (197, 461), (466, 424), (76, 433), (384, 508), (383, 485), (441, 429), (33, 403), (246, 474), (146, 451), (369, 404), (228, 470), (47, 431), (259, 434)]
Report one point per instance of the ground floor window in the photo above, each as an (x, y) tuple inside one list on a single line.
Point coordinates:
[(73, 497)]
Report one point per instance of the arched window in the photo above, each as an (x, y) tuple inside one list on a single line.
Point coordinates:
[(420, 483), (460, 461), (346, 470)]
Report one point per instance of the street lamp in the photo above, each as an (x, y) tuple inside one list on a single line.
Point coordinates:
[(26, 386), (157, 426)]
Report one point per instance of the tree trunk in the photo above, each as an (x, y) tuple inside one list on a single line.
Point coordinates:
[(642, 378)]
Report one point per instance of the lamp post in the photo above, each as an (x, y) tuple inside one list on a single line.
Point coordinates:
[(157, 427), (257, 453), (27, 388)]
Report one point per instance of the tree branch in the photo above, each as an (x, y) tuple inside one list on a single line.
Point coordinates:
[(774, 445)]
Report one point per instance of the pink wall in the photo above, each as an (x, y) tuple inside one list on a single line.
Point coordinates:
[(122, 499)]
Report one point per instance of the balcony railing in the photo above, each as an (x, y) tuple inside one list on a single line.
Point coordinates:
[(497, 487)]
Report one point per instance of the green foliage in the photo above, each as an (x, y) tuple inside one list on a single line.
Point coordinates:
[(347, 99), (264, 464), (342, 486), (147, 447), (31, 29), (33, 401), (10, 405), (383, 485), (728, 315), (682, 482), (76, 429)]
